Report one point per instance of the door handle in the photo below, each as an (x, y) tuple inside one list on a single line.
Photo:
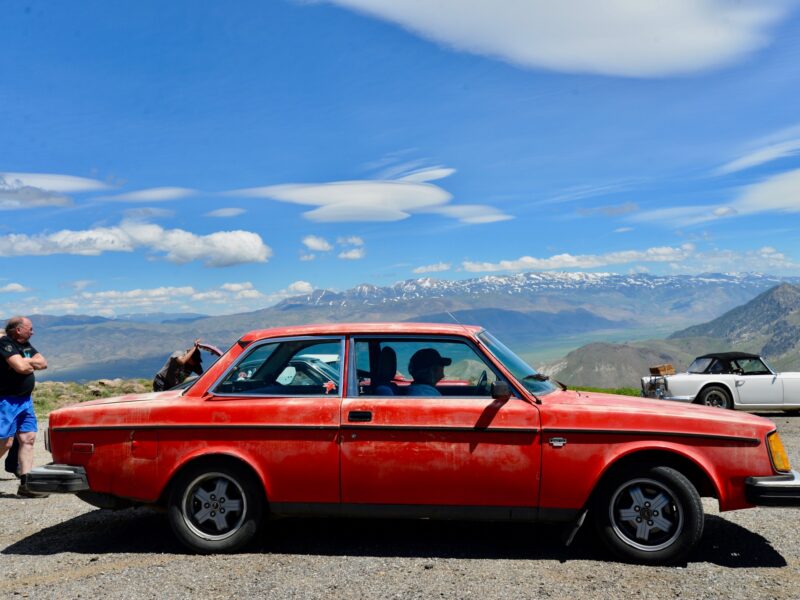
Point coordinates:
[(359, 416)]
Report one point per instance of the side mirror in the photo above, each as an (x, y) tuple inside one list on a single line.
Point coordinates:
[(501, 390)]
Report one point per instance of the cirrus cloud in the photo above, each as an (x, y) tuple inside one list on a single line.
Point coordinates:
[(157, 194)]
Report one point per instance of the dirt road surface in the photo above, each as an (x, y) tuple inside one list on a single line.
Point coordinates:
[(60, 547)]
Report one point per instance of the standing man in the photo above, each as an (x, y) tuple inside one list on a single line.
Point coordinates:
[(19, 361)]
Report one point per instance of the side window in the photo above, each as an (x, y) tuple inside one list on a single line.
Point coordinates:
[(421, 367), (752, 366), (287, 368)]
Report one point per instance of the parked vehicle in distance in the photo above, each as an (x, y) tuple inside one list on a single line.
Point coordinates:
[(493, 439), (728, 380)]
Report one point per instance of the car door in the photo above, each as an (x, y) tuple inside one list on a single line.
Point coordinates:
[(461, 451), (756, 384), (282, 421)]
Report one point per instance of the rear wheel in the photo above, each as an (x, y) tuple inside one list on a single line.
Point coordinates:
[(649, 515), (715, 395), (215, 506)]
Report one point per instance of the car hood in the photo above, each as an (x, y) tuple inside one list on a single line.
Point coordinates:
[(589, 410)]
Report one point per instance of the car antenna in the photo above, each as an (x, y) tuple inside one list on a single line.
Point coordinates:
[(452, 316)]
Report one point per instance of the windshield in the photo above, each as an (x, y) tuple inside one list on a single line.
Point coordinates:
[(522, 371), (699, 365)]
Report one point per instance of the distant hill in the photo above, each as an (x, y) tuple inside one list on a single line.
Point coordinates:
[(527, 310), (768, 325)]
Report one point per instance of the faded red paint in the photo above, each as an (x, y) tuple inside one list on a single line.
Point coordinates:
[(451, 451)]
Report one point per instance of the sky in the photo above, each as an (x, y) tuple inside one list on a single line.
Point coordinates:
[(219, 157)]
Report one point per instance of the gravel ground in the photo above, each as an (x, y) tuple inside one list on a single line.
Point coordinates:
[(59, 547)]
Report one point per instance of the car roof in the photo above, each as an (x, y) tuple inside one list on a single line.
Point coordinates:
[(729, 355), (388, 328)]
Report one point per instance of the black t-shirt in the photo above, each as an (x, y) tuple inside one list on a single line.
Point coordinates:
[(11, 382)]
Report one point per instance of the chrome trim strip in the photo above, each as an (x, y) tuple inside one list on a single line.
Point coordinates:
[(195, 426), (644, 433)]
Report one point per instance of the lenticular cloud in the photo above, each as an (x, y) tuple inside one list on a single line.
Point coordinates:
[(630, 38)]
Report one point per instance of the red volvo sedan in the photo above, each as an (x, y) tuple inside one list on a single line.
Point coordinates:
[(411, 420)]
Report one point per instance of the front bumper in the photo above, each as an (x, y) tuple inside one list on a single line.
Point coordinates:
[(775, 490), (63, 479)]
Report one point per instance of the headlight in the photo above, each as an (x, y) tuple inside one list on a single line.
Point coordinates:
[(780, 460)]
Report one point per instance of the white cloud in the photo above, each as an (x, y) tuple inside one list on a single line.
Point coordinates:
[(307, 257), (157, 194), (226, 212), (377, 200), (474, 214), (320, 244), (80, 284), (147, 212), (776, 194), (219, 249), (237, 287), (227, 298), (434, 268), (352, 240), (585, 261), (428, 174), (300, 287), (15, 196), (779, 193), (623, 37), (52, 182), (761, 156), (352, 254), (355, 200), (623, 229), (14, 288)]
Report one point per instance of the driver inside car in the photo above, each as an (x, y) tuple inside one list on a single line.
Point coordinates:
[(427, 368)]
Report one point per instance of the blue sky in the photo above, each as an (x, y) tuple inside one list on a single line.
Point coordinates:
[(195, 156)]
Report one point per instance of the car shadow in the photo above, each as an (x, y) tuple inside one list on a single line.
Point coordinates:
[(147, 531)]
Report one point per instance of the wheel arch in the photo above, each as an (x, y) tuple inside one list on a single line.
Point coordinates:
[(701, 479), (715, 383), (213, 456)]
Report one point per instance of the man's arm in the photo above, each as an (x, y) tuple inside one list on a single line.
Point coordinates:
[(38, 362), (184, 358), (20, 364)]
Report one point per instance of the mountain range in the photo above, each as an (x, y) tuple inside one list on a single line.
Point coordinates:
[(530, 311), (768, 325)]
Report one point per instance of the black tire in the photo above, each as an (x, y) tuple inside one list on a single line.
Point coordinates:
[(650, 515), (215, 506), (715, 395)]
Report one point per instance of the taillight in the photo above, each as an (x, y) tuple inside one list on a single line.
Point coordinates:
[(780, 460)]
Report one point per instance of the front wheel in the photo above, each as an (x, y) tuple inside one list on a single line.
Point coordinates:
[(715, 395), (215, 506), (649, 515)]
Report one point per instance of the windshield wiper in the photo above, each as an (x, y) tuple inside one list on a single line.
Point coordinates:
[(542, 377)]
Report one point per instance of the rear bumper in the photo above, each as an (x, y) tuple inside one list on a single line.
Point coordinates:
[(776, 490), (63, 479)]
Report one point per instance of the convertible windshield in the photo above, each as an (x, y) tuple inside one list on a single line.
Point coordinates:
[(699, 365), (522, 371)]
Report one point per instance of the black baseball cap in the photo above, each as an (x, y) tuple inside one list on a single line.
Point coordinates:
[(427, 357)]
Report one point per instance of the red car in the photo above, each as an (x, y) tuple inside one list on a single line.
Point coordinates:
[(486, 437)]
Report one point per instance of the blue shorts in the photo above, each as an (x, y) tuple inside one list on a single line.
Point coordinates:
[(16, 416)]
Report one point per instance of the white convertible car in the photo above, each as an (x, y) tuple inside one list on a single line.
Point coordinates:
[(728, 380)]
